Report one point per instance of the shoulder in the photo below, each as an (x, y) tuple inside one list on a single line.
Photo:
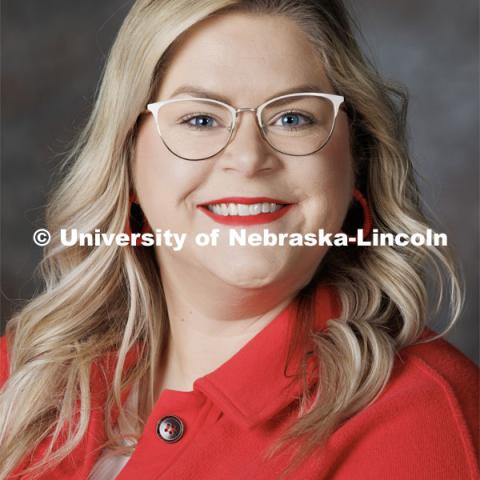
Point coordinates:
[(440, 373), (437, 387), (425, 422), (441, 365)]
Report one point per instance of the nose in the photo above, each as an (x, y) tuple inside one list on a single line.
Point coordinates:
[(247, 151)]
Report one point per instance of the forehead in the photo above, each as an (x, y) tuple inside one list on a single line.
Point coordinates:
[(244, 58)]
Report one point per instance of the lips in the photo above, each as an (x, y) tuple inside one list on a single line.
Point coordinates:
[(245, 210)]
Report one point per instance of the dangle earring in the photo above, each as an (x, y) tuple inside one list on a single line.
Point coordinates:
[(359, 213), (136, 221)]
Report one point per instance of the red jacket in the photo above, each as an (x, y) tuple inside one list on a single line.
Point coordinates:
[(424, 425)]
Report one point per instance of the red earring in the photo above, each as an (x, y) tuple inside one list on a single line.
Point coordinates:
[(367, 215), (136, 218)]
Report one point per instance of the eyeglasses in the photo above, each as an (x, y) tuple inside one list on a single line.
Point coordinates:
[(297, 124)]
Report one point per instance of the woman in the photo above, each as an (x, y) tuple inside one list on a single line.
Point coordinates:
[(223, 361)]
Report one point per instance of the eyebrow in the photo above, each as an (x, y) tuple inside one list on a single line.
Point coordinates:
[(201, 92)]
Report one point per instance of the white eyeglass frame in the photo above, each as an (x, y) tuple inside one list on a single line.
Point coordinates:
[(336, 100)]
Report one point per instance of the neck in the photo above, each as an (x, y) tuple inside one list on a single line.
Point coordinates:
[(210, 321)]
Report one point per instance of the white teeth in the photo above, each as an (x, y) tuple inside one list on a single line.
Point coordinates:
[(255, 209), (241, 209), (265, 207)]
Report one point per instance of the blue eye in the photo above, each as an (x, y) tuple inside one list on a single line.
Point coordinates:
[(203, 121), (292, 120), (199, 121)]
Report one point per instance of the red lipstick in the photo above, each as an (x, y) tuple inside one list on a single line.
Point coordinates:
[(246, 219)]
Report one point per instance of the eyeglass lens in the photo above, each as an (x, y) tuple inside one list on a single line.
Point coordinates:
[(196, 129)]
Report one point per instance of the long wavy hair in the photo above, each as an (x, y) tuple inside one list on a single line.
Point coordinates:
[(104, 299)]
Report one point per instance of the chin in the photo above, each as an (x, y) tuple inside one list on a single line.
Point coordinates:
[(247, 274), (248, 282)]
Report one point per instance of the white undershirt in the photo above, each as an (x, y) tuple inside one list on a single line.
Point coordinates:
[(107, 467)]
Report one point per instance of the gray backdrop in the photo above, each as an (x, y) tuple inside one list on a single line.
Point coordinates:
[(52, 55)]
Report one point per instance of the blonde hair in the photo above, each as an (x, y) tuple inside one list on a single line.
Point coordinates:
[(105, 299)]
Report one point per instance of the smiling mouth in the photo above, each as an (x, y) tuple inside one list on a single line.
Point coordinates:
[(244, 210)]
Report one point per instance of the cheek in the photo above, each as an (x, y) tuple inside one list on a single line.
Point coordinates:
[(329, 179), (337, 158), (163, 181)]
